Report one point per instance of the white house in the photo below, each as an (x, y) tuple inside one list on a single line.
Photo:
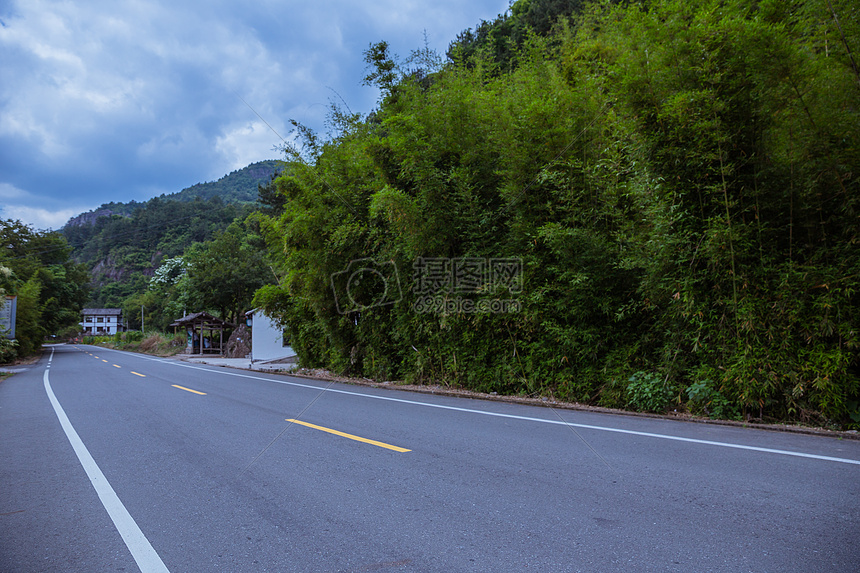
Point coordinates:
[(268, 340), (102, 321)]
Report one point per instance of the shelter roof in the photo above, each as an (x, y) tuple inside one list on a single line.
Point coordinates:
[(201, 319)]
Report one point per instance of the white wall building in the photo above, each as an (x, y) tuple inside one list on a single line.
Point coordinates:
[(102, 321), (268, 341)]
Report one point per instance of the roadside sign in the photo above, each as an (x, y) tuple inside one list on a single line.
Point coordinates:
[(8, 310)]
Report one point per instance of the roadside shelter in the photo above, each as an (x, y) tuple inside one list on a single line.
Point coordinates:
[(205, 332)]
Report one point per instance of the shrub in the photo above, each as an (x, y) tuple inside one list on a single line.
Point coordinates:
[(705, 398), (8, 350), (647, 392)]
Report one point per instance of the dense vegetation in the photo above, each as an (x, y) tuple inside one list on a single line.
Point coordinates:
[(123, 245), (679, 182), (651, 206), (35, 267), (220, 276), (123, 251)]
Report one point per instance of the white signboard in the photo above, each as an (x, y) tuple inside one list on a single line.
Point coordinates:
[(8, 309)]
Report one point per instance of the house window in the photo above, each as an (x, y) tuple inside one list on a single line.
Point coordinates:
[(88, 319), (100, 319)]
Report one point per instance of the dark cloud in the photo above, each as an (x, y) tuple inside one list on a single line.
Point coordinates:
[(108, 101)]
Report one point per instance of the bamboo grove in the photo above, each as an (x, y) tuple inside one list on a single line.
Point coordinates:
[(679, 183)]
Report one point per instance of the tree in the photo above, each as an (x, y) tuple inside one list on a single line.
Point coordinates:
[(226, 271), (51, 287), (29, 331)]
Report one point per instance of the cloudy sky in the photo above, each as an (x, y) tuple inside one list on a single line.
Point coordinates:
[(117, 100)]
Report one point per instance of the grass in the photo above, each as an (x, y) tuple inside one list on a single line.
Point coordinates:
[(156, 343)]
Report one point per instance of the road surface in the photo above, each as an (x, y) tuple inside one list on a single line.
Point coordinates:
[(112, 461)]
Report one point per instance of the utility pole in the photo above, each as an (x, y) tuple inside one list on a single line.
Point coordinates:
[(141, 319)]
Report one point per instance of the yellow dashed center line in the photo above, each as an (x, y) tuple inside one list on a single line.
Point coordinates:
[(188, 389), (138, 374), (117, 366), (350, 436)]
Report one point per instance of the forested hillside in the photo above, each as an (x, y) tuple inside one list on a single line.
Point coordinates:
[(123, 252), (123, 244), (653, 208)]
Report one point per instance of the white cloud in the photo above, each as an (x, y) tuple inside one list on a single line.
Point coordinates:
[(41, 218), (19, 205), (245, 144), (8, 192)]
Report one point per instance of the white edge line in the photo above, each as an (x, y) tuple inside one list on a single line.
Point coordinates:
[(524, 418), (144, 555)]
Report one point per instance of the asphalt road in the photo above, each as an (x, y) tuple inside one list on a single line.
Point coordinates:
[(112, 461)]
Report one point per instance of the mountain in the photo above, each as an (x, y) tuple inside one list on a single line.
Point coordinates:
[(123, 243), (239, 187)]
